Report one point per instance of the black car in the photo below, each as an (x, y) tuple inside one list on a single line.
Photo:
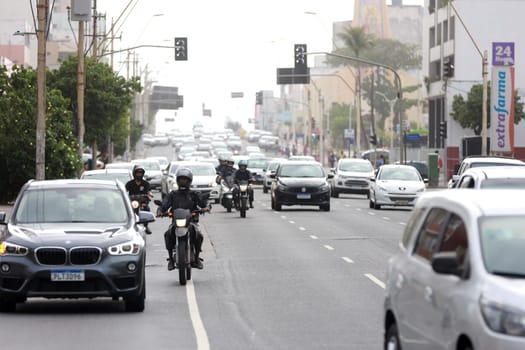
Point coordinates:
[(73, 239), (300, 183)]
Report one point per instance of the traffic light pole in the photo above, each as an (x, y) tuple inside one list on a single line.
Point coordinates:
[(398, 88)]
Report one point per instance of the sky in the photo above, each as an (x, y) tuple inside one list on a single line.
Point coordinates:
[(233, 46)]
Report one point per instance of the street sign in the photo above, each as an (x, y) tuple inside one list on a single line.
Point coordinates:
[(349, 134), (237, 94), (291, 76), (503, 54), (413, 137)]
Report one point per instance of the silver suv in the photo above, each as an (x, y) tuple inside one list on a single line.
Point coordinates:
[(476, 162)]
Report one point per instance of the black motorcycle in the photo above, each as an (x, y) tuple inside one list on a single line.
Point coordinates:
[(227, 193), (182, 222), (243, 197)]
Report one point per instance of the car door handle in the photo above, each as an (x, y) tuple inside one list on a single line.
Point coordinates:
[(428, 294)]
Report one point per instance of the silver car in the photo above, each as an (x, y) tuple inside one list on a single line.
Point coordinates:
[(457, 280), (352, 175)]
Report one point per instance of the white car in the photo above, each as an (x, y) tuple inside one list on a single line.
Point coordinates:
[(395, 185), (502, 177), (153, 171), (457, 279), (352, 175), (204, 176), (477, 162)]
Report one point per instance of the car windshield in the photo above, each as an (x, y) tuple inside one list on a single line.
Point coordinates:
[(301, 170), (257, 163), (71, 204), (358, 167), (401, 174), (202, 170), (151, 165), (503, 244), (273, 165), (122, 177)]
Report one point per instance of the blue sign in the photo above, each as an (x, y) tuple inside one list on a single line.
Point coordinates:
[(413, 137), (503, 54)]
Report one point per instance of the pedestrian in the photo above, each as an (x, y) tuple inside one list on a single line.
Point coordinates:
[(294, 149), (440, 161), (380, 161), (331, 159)]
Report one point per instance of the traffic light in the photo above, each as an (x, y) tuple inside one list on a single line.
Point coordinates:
[(373, 140), (258, 98), (181, 49), (312, 122), (301, 65), (443, 129), (448, 67)]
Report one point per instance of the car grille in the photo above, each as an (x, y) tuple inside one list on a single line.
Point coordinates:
[(77, 255), (300, 189), (360, 183), (396, 199), (51, 256), (84, 255)]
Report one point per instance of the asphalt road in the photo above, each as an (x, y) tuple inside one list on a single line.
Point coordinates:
[(296, 279)]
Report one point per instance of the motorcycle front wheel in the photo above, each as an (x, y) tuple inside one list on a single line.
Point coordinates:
[(182, 251), (243, 207)]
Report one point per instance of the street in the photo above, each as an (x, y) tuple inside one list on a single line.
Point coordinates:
[(297, 279)]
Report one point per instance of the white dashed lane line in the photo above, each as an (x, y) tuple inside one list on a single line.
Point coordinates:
[(328, 247), (302, 228), (375, 280), (386, 218), (348, 260), (291, 222), (314, 237)]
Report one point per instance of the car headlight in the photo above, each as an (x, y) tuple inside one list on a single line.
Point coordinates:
[(7, 248), (281, 188), (174, 186), (127, 248), (382, 189), (502, 319), (212, 184), (324, 188), (422, 189)]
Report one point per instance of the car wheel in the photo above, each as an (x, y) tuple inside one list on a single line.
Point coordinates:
[(7, 304), (217, 201), (335, 194), (137, 303), (392, 338), (376, 206), (371, 204), (278, 206), (265, 189), (325, 207)]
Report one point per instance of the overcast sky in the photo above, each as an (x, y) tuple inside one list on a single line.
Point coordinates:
[(233, 46)]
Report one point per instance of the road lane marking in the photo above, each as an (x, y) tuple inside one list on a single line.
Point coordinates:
[(328, 247), (198, 327), (302, 228), (283, 217), (371, 213), (314, 237), (291, 222), (358, 209), (348, 260), (403, 223), (385, 218), (375, 280), (347, 205)]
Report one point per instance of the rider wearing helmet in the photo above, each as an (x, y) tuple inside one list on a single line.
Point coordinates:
[(226, 166), (242, 174), (139, 186), (184, 198)]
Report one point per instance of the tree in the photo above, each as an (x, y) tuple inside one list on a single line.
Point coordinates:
[(468, 112), (18, 130), (339, 115), (108, 97)]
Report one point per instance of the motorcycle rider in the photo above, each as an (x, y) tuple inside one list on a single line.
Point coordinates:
[(139, 186), (226, 168), (242, 174), (184, 198)]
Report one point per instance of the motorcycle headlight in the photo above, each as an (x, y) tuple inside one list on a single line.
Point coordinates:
[(502, 319), (135, 204), (180, 222), (12, 249), (243, 188), (174, 186), (127, 248)]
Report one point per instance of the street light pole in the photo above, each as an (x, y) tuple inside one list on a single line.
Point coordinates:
[(40, 156)]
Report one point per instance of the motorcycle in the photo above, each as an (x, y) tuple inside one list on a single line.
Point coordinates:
[(140, 202), (227, 193), (182, 220), (243, 197)]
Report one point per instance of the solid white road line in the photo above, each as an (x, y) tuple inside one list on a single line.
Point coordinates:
[(328, 247), (375, 280), (348, 260), (198, 326), (314, 237)]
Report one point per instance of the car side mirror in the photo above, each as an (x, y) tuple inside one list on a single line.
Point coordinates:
[(330, 175), (372, 179), (272, 175), (446, 263)]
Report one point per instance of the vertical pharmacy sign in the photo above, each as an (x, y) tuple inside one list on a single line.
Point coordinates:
[(502, 98)]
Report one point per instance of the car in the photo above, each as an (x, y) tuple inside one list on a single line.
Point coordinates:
[(120, 165), (73, 239), (395, 185), (153, 171), (503, 177), (456, 279), (300, 183), (271, 168), (422, 167), (123, 175), (256, 166), (352, 175), (204, 176), (163, 161), (234, 143), (308, 158), (476, 162), (168, 178)]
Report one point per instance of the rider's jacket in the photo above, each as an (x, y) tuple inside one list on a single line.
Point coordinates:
[(133, 188), (184, 199), (242, 175), (225, 170)]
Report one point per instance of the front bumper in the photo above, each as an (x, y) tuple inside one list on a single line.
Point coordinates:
[(296, 197), (395, 199), (351, 185)]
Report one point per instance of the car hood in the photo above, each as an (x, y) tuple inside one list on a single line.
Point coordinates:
[(203, 180), (355, 174), (59, 233), (400, 186), (302, 181), (509, 290)]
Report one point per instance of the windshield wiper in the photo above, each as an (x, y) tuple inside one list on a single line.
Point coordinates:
[(509, 274)]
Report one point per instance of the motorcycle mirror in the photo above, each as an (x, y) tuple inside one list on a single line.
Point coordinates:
[(158, 202)]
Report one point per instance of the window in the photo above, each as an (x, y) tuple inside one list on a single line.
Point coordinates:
[(411, 226), (427, 242), (432, 36), (466, 182), (438, 34), (445, 31), (452, 28), (455, 238), (431, 6)]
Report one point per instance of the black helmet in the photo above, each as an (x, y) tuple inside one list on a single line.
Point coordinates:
[(184, 178), (138, 172), (243, 163)]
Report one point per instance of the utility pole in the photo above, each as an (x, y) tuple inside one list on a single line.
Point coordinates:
[(40, 156), (95, 41), (484, 116), (80, 88)]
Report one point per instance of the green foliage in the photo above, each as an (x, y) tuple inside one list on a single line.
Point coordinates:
[(107, 99), (339, 114), (18, 132), (468, 112)]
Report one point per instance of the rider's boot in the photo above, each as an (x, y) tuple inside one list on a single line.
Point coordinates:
[(197, 262), (171, 261), (251, 204)]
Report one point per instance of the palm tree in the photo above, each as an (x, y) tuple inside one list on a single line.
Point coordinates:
[(357, 40)]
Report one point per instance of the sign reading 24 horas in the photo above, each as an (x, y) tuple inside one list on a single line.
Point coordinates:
[(502, 54)]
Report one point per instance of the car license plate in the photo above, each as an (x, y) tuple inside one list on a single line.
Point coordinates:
[(402, 202), (67, 275), (303, 196)]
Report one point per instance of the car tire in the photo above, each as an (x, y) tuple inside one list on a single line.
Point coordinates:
[(265, 189), (335, 194), (392, 338), (137, 303), (7, 304), (278, 206), (376, 206), (325, 207), (371, 204)]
